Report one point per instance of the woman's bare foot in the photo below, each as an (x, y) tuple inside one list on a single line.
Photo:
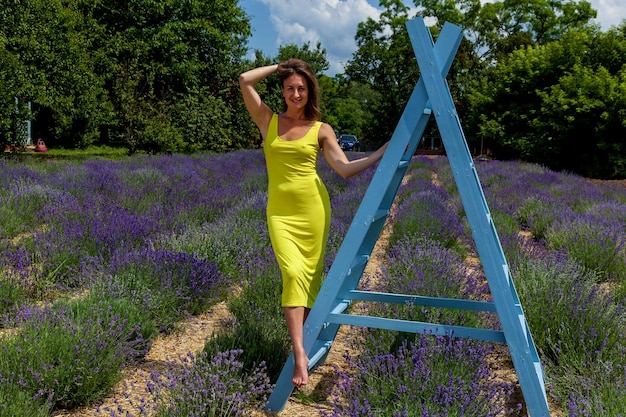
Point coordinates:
[(300, 371)]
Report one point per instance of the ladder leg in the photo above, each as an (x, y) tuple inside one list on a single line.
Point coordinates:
[(283, 388)]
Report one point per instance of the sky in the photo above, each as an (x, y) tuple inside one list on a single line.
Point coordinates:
[(334, 24)]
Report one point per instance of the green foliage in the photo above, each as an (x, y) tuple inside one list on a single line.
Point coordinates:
[(550, 293), (108, 72), (162, 292), (14, 86), (12, 293), (384, 63), (559, 105), (536, 215), (581, 337), (532, 80), (216, 386), (346, 107), (257, 303), (199, 123), (593, 241), (16, 402)]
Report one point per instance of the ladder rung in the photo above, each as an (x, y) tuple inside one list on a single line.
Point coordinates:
[(380, 214), (341, 307), (403, 164), (418, 300), (417, 327), (320, 349)]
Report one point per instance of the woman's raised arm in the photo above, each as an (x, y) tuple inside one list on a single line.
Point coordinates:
[(259, 111)]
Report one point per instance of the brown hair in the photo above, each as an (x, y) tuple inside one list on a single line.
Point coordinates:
[(297, 66)]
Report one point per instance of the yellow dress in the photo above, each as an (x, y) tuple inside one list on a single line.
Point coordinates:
[(298, 213)]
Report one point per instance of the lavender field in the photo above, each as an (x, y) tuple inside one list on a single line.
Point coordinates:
[(99, 257)]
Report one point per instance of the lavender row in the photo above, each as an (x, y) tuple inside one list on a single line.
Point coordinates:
[(96, 229), (239, 245), (569, 265), (400, 374), (163, 249)]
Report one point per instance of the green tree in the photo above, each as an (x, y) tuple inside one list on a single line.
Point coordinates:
[(385, 64), (498, 28), (147, 74), (52, 44), (560, 104), (13, 109), (162, 57), (348, 108)]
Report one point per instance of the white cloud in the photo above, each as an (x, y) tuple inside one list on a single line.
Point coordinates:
[(334, 23), (331, 22), (610, 12)]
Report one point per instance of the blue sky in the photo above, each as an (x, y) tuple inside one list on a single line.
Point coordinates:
[(334, 23)]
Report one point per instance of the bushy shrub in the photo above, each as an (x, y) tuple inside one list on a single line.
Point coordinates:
[(600, 392), (71, 353), (12, 294), (237, 243), (258, 327), (216, 385), (166, 285), (428, 214), (576, 325), (576, 321), (596, 242), (537, 215), (430, 376), (424, 267)]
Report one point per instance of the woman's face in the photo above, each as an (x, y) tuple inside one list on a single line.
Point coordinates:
[(295, 91)]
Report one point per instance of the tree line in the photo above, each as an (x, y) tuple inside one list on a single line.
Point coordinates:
[(533, 80)]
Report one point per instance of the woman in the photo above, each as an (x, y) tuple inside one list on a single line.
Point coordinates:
[(298, 206)]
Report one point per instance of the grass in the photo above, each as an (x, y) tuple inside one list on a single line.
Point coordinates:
[(91, 152)]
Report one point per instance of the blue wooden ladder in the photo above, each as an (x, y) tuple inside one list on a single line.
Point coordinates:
[(430, 96)]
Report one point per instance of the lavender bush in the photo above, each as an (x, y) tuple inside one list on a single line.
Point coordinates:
[(71, 353), (583, 327), (203, 386), (14, 401), (214, 386), (597, 242), (169, 233), (425, 267), (577, 242), (257, 327), (99, 223), (237, 243), (167, 286), (425, 210), (12, 292), (430, 376)]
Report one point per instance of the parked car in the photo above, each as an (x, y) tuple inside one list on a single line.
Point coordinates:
[(349, 143)]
